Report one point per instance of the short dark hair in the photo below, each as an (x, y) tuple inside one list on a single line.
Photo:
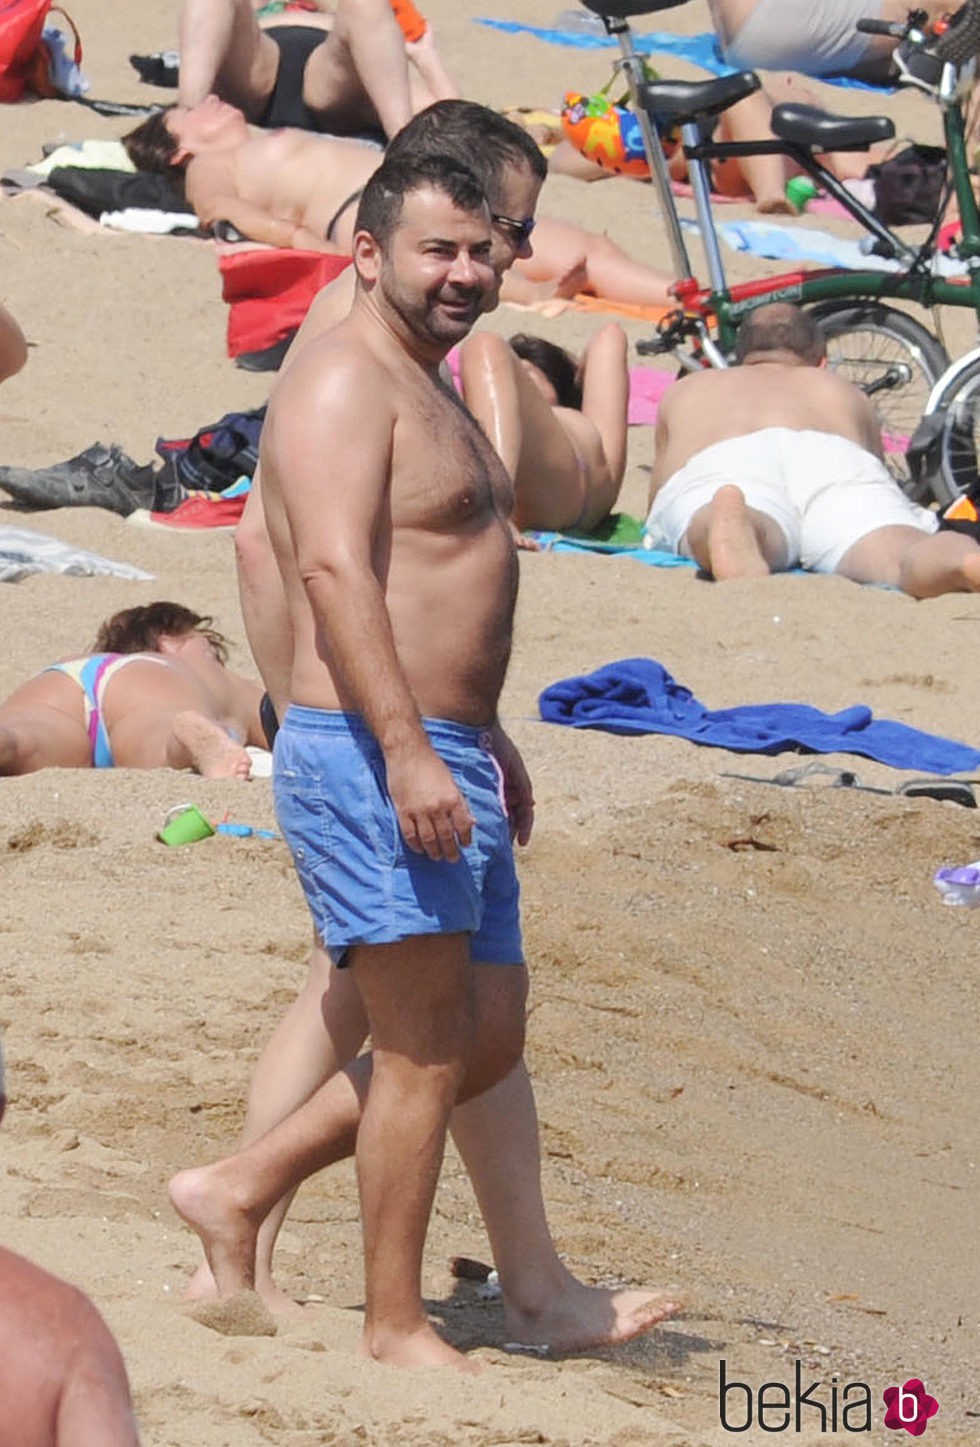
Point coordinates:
[(481, 139), (559, 366), (150, 145), (139, 629), (384, 195), (780, 326)]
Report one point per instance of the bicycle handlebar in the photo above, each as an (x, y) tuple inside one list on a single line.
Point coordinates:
[(882, 27), (961, 40)]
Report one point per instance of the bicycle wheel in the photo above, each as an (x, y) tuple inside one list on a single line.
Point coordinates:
[(893, 359), (954, 469)]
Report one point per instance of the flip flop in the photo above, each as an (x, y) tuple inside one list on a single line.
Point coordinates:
[(954, 791)]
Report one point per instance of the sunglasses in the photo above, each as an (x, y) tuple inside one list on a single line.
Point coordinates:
[(520, 231)]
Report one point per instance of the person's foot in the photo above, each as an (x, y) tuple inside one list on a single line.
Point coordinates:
[(776, 205), (205, 1198), (202, 1287), (971, 572), (211, 752), (733, 548), (423, 1347), (581, 1317)]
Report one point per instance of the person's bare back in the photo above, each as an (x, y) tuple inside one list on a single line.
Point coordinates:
[(714, 406)]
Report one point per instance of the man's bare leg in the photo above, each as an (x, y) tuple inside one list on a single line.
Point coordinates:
[(223, 50), (728, 539), (361, 71), (321, 1032), (924, 565), (544, 1304)]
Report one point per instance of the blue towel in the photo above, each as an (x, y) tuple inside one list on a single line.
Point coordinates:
[(803, 243), (653, 557), (638, 696), (702, 50)]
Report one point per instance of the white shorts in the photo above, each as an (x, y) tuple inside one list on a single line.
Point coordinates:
[(815, 37), (824, 493)]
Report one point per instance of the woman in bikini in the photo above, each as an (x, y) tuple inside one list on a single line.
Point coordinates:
[(153, 693), (557, 424)]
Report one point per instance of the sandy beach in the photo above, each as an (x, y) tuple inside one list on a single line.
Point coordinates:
[(753, 1021)]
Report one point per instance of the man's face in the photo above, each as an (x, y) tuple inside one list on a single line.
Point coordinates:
[(512, 202), (437, 272), (199, 128)]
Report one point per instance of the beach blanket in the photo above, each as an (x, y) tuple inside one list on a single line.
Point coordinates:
[(701, 50), (24, 552), (638, 696), (804, 243), (270, 291)]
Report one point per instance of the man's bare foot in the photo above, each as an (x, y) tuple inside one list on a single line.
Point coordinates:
[(204, 1197), (581, 1317), (202, 1287), (733, 547), (423, 1347), (211, 752), (775, 205)]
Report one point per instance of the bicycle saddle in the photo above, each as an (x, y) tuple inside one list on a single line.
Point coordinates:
[(685, 100), (622, 9), (811, 127)]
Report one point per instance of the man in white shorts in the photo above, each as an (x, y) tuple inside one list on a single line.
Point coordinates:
[(816, 37), (776, 463)]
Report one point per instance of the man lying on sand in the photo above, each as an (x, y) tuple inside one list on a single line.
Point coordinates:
[(777, 463), (154, 693), (291, 188), (62, 1377)]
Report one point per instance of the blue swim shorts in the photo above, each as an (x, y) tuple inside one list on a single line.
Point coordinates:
[(362, 882)]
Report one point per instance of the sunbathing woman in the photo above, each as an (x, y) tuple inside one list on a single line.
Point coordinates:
[(154, 693), (558, 426)]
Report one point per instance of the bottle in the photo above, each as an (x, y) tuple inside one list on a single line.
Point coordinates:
[(580, 22), (800, 191)]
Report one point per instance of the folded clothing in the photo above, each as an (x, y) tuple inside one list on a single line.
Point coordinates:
[(638, 696)]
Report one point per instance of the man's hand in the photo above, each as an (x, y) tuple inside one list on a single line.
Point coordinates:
[(432, 814), (518, 794)]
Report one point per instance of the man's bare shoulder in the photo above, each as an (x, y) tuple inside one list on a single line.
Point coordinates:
[(339, 360)]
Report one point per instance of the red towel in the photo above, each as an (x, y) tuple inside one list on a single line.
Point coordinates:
[(269, 292)]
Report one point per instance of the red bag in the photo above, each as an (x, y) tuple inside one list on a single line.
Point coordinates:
[(24, 58)]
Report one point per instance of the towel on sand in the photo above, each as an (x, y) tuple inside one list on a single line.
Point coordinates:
[(702, 50), (638, 696)]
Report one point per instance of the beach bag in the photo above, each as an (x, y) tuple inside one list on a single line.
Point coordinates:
[(909, 185), (25, 57), (606, 132)]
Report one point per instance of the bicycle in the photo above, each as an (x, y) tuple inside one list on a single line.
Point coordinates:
[(892, 356)]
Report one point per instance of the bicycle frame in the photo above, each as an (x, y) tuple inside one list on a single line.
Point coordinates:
[(711, 314)]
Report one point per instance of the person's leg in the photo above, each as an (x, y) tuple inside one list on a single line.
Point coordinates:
[(421, 1037), (41, 727), (359, 75), (922, 564), (321, 1032), (728, 539), (764, 176), (223, 50), (575, 260)]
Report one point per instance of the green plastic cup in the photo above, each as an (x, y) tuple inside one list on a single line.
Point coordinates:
[(184, 825)]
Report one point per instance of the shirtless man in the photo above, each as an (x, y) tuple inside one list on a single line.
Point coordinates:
[(289, 188), (777, 463), (815, 37), (497, 1132), (62, 1377), (401, 612), (342, 72)]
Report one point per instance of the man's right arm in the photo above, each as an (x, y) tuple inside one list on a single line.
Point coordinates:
[(330, 431)]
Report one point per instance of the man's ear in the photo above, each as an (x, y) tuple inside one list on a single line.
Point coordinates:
[(367, 257)]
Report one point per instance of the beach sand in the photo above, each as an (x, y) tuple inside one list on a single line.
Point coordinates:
[(753, 1021)]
